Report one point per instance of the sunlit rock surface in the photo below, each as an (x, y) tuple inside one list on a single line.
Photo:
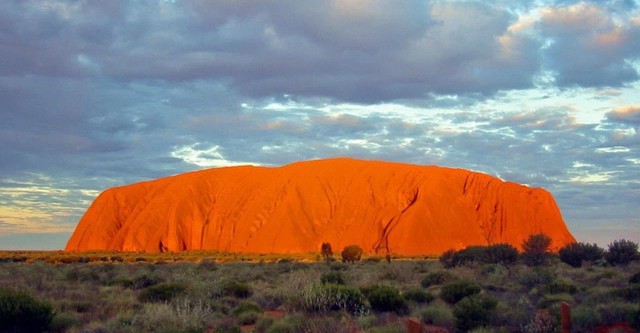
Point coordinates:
[(381, 206)]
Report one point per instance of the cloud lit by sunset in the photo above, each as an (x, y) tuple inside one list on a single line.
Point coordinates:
[(104, 93)]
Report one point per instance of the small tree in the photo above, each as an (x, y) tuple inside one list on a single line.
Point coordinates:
[(351, 253), (575, 253), (535, 249), (327, 252), (621, 252)]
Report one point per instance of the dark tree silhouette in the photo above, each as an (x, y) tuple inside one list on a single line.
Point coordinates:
[(327, 252)]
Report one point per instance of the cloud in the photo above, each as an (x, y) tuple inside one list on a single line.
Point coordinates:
[(588, 47), (99, 94), (626, 115)]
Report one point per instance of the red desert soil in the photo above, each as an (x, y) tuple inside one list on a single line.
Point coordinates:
[(381, 206)]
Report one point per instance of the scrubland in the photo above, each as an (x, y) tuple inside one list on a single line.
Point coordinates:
[(213, 292)]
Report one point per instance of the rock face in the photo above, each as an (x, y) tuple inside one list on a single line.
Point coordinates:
[(381, 206)]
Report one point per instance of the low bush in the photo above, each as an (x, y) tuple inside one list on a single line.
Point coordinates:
[(290, 324), (338, 266), (322, 298), (418, 296), (584, 319), (351, 253), (164, 292), (504, 254), (437, 314), (536, 277), (616, 312), (631, 294), (575, 253), (63, 321), (447, 259), (453, 292), (247, 307), (19, 312), (82, 274), (621, 252), (635, 278), (236, 289), (436, 278), (558, 287), (144, 281), (535, 250), (386, 299), (207, 265), (263, 323), (333, 277), (548, 301), (248, 317), (474, 311), (470, 254)]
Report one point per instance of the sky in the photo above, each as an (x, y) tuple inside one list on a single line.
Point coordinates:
[(95, 94)]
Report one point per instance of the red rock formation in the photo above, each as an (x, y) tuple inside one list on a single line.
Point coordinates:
[(381, 206)]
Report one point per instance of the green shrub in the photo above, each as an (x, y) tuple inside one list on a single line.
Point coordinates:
[(558, 287), (82, 274), (236, 289), (386, 299), (248, 318), (247, 307), (144, 281), (389, 328), (437, 314), (447, 259), (631, 294), (616, 312), (575, 253), (333, 277), (474, 311), (536, 277), (435, 278), (76, 306), (322, 298), (263, 323), (635, 278), (453, 292), (584, 319), (535, 250), (418, 296), (63, 321), (548, 301), (164, 292), (470, 254), (504, 254), (207, 265), (290, 324), (621, 252), (351, 253), (338, 266), (19, 312)]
